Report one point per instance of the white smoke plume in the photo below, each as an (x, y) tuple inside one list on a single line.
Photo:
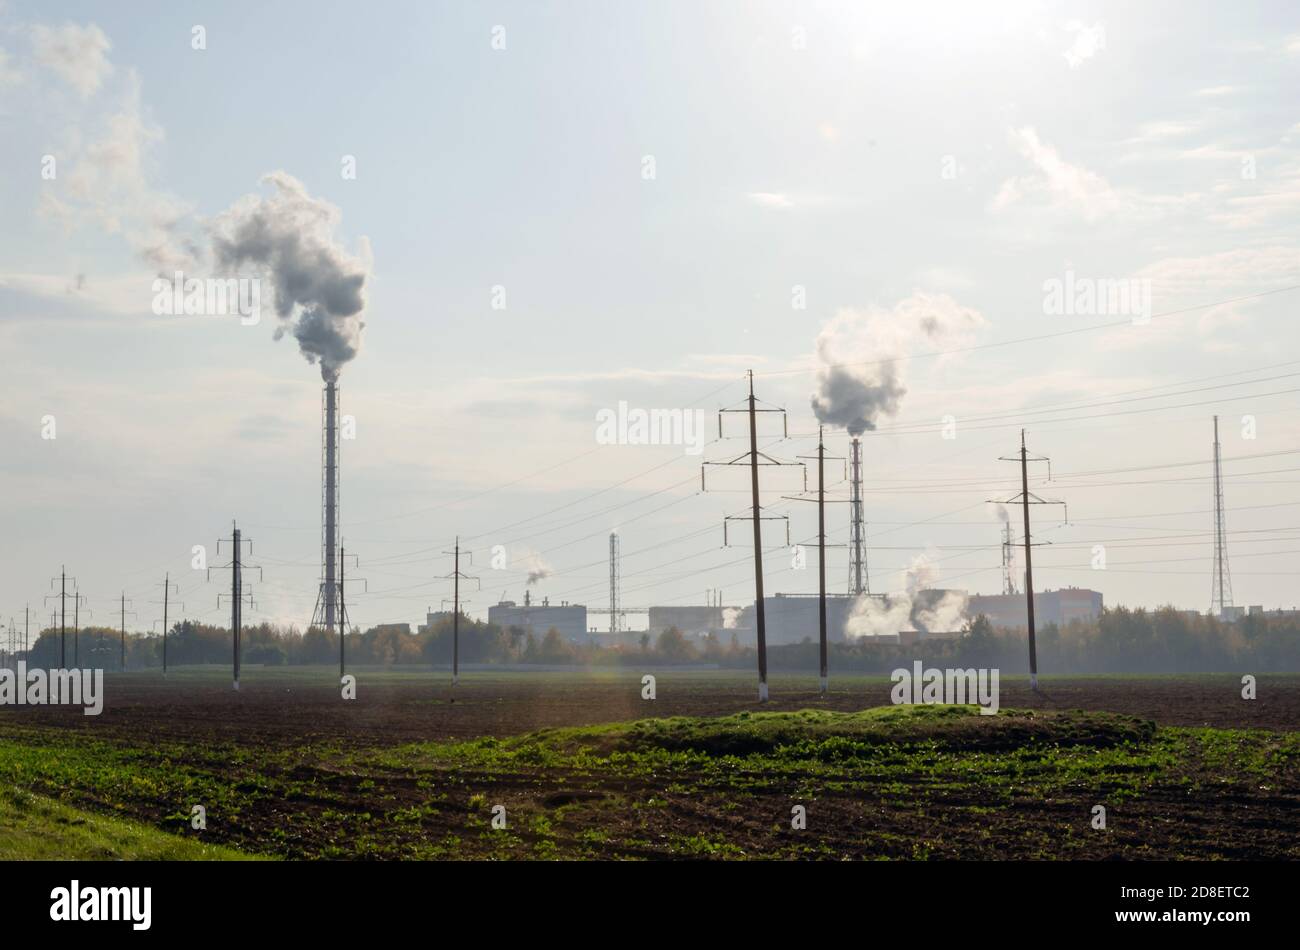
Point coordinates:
[(862, 379), (730, 616), (319, 288), (874, 616), (946, 615)]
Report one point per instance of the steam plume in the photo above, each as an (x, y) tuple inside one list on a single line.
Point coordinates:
[(872, 617), (862, 377), (319, 287)]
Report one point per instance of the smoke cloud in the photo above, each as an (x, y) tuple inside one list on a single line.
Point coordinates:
[(907, 609), (538, 569), (319, 288), (862, 379)]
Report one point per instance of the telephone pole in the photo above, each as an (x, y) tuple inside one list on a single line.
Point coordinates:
[(754, 456), (1025, 499), (456, 578)]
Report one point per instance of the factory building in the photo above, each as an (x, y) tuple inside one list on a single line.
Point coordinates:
[(570, 620), (690, 620), (1050, 606), (792, 617)]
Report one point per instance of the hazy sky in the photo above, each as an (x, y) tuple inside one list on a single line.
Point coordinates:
[(651, 188)]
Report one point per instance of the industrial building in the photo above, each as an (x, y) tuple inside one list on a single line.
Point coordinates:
[(570, 620), (1009, 611), (690, 620)]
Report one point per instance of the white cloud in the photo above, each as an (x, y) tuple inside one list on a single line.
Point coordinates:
[(1151, 132), (1088, 42), (1281, 200), (1177, 281), (770, 199), (9, 76), (1213, 91), (1059, 184), (77, 54), (106, 183)]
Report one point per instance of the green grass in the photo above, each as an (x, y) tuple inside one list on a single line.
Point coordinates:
[(33, 828)]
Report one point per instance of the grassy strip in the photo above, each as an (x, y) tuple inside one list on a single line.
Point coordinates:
[(33, 828)]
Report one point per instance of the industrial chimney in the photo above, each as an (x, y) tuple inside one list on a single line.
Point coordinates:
[(327, 613), (858, 583)]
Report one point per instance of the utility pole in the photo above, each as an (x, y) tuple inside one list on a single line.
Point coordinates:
[(1027, 498), (76, 630), (821, 458), (754, 456), (124, 630), (236, 596), (1221, 583), (167, 589), (343, 611), (63, 613), (456, 577)]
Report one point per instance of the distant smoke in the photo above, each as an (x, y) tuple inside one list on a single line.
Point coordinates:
[(1004, 516), (319, 287), (946, 615), (874, 617), (862, 380), (538, 570), (730, 615)]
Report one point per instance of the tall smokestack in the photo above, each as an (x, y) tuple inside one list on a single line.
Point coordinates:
[(858, 582), (330, 503)]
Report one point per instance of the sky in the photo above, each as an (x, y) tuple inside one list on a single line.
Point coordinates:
[(558, 208)]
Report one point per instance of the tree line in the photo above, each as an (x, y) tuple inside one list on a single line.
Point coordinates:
[(1120, 640)]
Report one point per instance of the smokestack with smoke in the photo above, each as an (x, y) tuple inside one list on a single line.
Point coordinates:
[(319, 288), (289, 238), (861, 379)]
